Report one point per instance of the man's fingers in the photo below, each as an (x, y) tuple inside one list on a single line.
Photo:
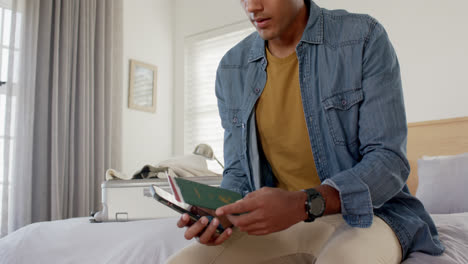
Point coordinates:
[(209, 232), (223, 237), (245, 220), (241, 206), (196, 228), (183, 221)]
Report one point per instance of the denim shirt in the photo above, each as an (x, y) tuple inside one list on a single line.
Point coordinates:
[(353, 105)]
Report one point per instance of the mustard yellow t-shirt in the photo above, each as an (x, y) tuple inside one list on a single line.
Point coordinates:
[(282, 126)]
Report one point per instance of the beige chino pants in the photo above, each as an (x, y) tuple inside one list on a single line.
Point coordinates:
[(328, 240)]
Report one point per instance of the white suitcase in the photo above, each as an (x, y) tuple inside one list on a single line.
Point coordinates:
[(125, 200)]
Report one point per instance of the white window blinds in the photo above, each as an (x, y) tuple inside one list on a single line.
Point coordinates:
[(201, 119)]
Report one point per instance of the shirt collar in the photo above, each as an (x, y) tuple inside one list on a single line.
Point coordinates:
[(313, 33)]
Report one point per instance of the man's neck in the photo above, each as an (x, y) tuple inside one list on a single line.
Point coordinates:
[(285, 44)]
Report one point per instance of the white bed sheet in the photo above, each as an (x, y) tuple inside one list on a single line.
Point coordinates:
[(153, 241), (78, 241)]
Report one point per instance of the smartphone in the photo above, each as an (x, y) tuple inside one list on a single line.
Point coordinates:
[(168, 200)]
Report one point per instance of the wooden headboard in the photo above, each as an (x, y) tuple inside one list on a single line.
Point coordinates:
[(435, 138)]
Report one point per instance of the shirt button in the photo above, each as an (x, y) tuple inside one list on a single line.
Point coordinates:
[(343, 102), (234, 120), (257, 90)]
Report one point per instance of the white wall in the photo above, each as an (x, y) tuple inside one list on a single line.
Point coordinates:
[(429, 36), (148, 36)]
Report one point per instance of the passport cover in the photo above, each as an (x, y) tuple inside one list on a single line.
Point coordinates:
[(206, 196)]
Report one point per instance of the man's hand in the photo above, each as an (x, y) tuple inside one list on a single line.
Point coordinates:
[(266, 211), (205, 231)]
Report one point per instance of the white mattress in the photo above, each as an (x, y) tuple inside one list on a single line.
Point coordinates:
[(79, 241), (153, 241)]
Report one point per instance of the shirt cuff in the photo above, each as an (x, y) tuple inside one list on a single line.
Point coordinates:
[(356, 203)]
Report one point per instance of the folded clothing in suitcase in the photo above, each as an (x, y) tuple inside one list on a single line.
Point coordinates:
[(125, 200)]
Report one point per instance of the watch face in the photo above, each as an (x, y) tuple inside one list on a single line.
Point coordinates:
[(317, 206)]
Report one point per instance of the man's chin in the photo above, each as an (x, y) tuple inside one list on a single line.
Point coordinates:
[(266, 35)]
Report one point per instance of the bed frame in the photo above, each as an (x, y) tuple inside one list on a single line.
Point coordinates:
[(435, 138)]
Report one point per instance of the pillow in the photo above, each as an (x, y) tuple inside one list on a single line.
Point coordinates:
[(443, 183)]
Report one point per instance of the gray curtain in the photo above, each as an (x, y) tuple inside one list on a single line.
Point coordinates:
[(70, 103)]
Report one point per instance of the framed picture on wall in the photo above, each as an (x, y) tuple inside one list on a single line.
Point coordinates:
[(142, 87)]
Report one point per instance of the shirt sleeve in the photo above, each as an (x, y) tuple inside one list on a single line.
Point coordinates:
[(384, 168)]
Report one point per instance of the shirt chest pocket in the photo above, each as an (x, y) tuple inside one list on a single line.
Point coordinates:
[(342, 114)]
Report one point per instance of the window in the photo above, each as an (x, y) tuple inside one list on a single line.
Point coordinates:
[(8, 52), (203, 53)]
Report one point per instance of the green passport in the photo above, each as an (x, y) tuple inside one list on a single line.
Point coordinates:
[(206, 196)]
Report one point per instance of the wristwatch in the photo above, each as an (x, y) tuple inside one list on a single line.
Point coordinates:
[(314, 205)]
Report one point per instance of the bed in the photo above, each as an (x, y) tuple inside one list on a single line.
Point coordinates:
[(153, 241)]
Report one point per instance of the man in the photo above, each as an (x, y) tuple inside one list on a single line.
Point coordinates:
[(315, 135)]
